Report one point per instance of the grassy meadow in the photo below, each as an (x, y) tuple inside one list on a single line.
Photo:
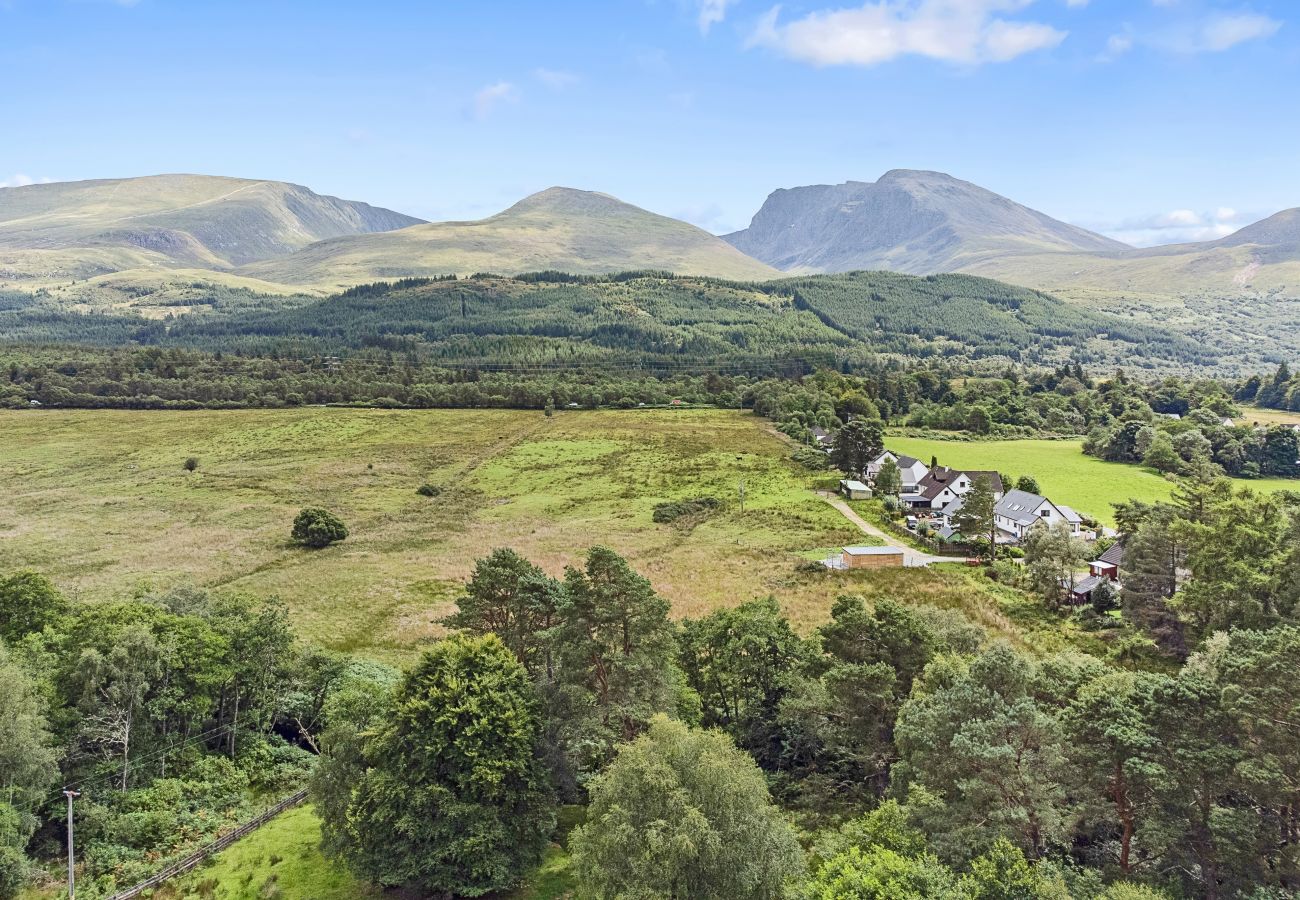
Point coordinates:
[(100, 501), (1063, 472)]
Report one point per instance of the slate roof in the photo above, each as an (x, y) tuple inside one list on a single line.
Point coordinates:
[(1020, 506), (995, 480), (1070, 515), (903, 461), (935, 480), (1114, 555), (1087, 585)]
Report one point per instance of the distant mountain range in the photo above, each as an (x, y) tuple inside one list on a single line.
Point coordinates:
[(169, 238), (913, 222), (85, 228), (562, 229), (923, 223)]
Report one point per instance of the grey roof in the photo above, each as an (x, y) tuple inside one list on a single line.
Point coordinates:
[(873, 551), (947, 533), (995, 480), (1069, 514), (904, 461), (820, 434), (1020, 506), (1087, 585), (1114, 555), (954, 506), (853, 485)]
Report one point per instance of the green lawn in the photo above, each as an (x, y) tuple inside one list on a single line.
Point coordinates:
[(1062, 470), (99, 501), (281, 860)]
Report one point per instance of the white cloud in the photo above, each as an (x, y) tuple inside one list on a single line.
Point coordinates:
[(1222, 32), (712, 12), (555, 78), (1176, 227), (489, 98), (957, 31), (21, 180), (1116, 46)]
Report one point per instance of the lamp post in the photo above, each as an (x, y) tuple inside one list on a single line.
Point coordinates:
[(72, 882)]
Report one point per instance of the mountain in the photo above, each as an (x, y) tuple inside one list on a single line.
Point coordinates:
[(70, 230), (909, 221), (580, 232), (1263, 257)]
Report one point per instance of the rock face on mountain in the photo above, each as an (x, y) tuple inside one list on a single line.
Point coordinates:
[(575, 231), (176, 220), (909, 221)]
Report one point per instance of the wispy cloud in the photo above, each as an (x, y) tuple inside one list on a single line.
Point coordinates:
[(711, 12), (555, 78), (1222, 32), (488, 98), (957, 31), (1176, 226), (1195, 34), (21, 180)]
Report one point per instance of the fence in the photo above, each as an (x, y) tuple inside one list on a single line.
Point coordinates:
[(221, 843)]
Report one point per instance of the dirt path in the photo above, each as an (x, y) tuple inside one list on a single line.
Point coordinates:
[(911, 556)]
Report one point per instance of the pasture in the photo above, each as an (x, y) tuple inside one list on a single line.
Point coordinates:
[(100, 502), (1063, 472)]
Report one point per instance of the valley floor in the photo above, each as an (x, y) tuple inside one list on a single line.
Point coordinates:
[(100, 502)]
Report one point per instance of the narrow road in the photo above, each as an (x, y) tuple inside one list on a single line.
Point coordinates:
[(911, 556)]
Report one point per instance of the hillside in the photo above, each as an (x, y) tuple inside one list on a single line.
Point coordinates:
[(634, 321), (909, 221), (563, 229), (1264, 256), (74, 230)]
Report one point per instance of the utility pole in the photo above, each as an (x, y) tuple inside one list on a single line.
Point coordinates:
[(72, 882)]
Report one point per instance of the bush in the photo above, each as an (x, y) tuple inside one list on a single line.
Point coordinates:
[(316, 527), (191, 463), (428, 490), (695, 508)]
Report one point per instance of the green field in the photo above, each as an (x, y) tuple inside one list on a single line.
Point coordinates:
[(1063, 472), (99, 501)]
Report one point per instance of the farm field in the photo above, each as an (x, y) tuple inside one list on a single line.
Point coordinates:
[(100, 502), (1063, 472)]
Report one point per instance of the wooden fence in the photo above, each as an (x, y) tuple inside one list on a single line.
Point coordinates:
[(221, 843)]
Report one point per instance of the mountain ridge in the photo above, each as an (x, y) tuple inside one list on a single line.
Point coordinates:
[(559, 228), (913, 221)]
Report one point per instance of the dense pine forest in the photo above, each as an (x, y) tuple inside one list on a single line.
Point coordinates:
[(634, 320)]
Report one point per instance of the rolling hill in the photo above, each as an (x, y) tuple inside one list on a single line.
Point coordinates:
[(82, 229), (563, 229), (1264, 256), (909, 221)]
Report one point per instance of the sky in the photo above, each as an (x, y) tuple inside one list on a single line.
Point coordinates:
[(1150, 120)]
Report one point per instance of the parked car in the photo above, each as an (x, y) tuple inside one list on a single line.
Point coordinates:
[(911, 523)]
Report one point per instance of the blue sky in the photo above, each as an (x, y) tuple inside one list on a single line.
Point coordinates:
[(1155, 120)]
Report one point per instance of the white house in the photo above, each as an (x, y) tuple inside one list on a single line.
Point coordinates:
[(910, 469), (1019, 511), (941, 486)]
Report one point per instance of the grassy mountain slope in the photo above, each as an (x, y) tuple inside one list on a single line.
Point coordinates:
[(562, 229), (909, 221), (67, 230)]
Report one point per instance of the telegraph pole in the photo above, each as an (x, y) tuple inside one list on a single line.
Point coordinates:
[(72, 883)]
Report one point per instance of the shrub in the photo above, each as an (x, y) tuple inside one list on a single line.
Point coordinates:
[(191, 463), (695, 508), (316, 527), (428, 490)]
